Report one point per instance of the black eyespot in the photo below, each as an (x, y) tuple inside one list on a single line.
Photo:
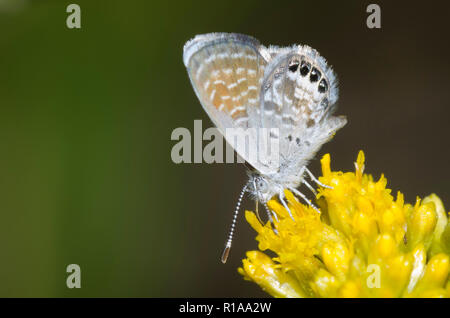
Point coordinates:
[(324, 103), (323, 86), (293, 66), (297, 140), (289, 138), (304, 68), (315, 75)]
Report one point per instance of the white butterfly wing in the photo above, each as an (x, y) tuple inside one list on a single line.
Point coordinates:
[(243, 85), (226, 71), (298, 95)]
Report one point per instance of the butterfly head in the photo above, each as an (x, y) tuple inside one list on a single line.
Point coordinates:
[(261, 187)]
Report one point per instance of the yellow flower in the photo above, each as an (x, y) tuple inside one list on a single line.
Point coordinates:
[(365, 243)]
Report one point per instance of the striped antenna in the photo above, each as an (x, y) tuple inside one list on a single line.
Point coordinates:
[(226, 251)]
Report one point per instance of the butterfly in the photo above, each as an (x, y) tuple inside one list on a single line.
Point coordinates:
[(244, 85)]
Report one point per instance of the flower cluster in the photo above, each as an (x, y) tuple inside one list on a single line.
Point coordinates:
[(365, 243)]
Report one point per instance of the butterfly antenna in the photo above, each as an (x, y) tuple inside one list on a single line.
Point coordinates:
[(227, 249)]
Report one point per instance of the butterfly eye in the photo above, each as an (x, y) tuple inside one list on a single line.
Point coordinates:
[(304, 68), (315, 75), (262, 185), (293, 66), (323, 86)]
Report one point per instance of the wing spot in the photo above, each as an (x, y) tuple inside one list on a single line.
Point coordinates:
[(232, 85), (223, 55), (210, 58), (323, 86), (287, 99), (237, 55), (199, 70), (293, 66), (213, 93), (237, 109), (305, 68), (315, 75), (219, 82)]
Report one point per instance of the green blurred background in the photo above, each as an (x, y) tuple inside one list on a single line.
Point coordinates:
[(86, 117)]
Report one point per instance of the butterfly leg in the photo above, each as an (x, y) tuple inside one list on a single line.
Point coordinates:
[(281, 197), (257, 212), (305, 198), (269, 215), (315, 179), (309, 187), (275, 216)]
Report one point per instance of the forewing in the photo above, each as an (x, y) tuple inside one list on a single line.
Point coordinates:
[(226, 71)]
